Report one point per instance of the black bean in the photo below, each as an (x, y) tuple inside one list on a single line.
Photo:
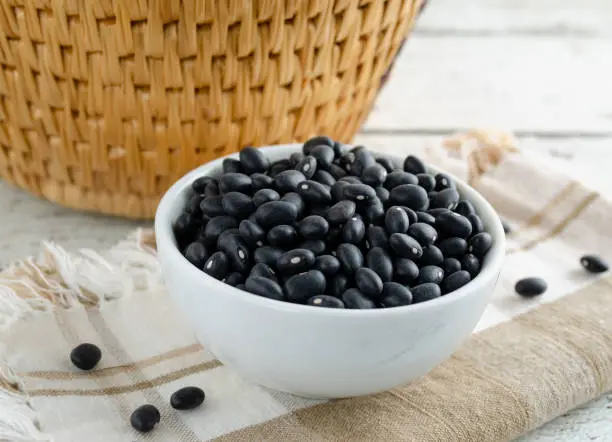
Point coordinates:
[(594, 264), (405, 246), (253, 160), (423, 233), (409, 195), (338, 285), (288, 180), (354, 230), (405, 271), (437, 212), (374, 175), (232, 165), (414, 165), (360, 193), (184, 226), (349, 179), (530, 287), (455, 281), (341, 212), (187, 398), (382, 194), (398, 178), (283, 236), (324, 177), (295, 261), (395, 295), (144, 418), (278, 167), (368, 282), (426, 181), (212, 206), (431, 256), (453, 224), (380, 262), (324, 156), (223, 241), (443, 181), (363, 160), (212, 189), (430, 274), (424, 217), (471, 264), (374, 212), (325, 301), (396, 220), (445, 199), (327, 264), (218, 225), (263, 196), (480, 244), (265, 287), (316, 246), (506, 226), (199, 184), (261, 181), (274, 213), (193, 205), (86, 356), (425, 292), (377, 237), (465, 208), (299, 288), (263, 270), (238, 254), (235, 278), (196, 254), (314, 193), (238, 205), (337, 190), (476, 222), (354, 299), (340, 148), (336, 171), (313, 227), (314, 142), (295, 199), (217, 265), (267, 255), (453, 247), (295, 158), (350, 257), (412, 215), (451, 265), (235, 182), (252, 232), (308, 166), (387, 163)]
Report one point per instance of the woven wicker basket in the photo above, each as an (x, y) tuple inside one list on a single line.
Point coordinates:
[(104, 103)]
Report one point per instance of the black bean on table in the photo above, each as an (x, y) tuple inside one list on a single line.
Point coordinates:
[(471, 264), (262, 286), (409, 195), (375, 175), (325, 177), (295, 261), (316, 141), (396, 220), (338, 285), (530, 287), (455, 281), (414, 165), (594, 264), (326, 264), (377, 237), (453, 247), (426, 181), (405, 246), (432, 255), (341, 212), (283, 236), (261, 181), (325, 301), (368, 282), (238, 253), (316, 246), (480, 244), (252, 232), (212, 206), (238, 204), (144, 418), (395, 295), (268, 255), (453, 224), (263, 196), (425, 234), (324, 156), (308, 166), (380, 262), (443, 181), (275, 212), (314, 193), (405, 271), (288, 180), (187, 398), (451, 265), (354, 299), (354, 230), (85, 356), (425, 292), (299, 288), (430, 274), (398, 178), (476, 222), (217, 265), (235, 182), (253, 160), (196, 253), (264, 270), (360, 193), (445, 199), (350, 257)]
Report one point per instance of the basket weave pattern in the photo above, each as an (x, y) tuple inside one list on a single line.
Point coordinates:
[(104, 103)]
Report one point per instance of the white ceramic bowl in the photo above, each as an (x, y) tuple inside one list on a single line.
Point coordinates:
[(313, 351)]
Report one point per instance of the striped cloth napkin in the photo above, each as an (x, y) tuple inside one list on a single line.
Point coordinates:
[(528, 361)]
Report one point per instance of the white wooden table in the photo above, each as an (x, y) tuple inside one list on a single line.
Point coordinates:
[(540, 68)]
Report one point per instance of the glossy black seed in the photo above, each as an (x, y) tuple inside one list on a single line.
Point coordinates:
[(453, 247), (212, 189), (354, 230), (363, 160), (398, 178), (426, 181), (350, 180), (212, 206), (382, 194), (296, 200), (235, 278), (337, 190), (316, 141), (316, 246), (232, 165), (409, 195), (196, 254), (267, 255), (184, 226), (86, 356), (324, 156), (324, 177), (263, 270), (360, 193), (387, 163), (325, 301), (396, 220), (430, 274), (295, 158), (445, 199), (346, 161), (283, 236), (377, 237), (406, 271), (336, 171), (341, 212), (314, 193), (354, 299), (594, 264), (465, 208), (437, 212), (253, 160), (274, 213), (279, 167), (530, 287), (216, 226), (327, 264), (308, 166), (480, 244), (453, 224), (295, 261), (313, 227), (425, 234), (252, 232), (264, 196), (424, 217), (193, 205), (395, 295), (443, 181), (374, 212), (506, 226), (368, 282), (199, 184), (350, 257), (476, 222), (412, 215), (144, 418), (338, 285), (265, 287), (235, 182), (471, 264), (340, 148), (217, 265), (405, 246), (454, 281), (380, 262), (414, 165), (187, 398), (451, 265), (431, 256), (288, 180), (299, 288), (238, 205), (374, 175), (425, 292)]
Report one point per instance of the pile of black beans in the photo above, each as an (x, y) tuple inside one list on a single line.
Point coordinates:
[(332, 226)]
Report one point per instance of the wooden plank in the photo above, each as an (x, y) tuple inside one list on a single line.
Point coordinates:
[(518, 83), (537, 17), (587, 160)]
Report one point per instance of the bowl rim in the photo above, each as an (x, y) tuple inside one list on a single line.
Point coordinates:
[(164, 236)]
